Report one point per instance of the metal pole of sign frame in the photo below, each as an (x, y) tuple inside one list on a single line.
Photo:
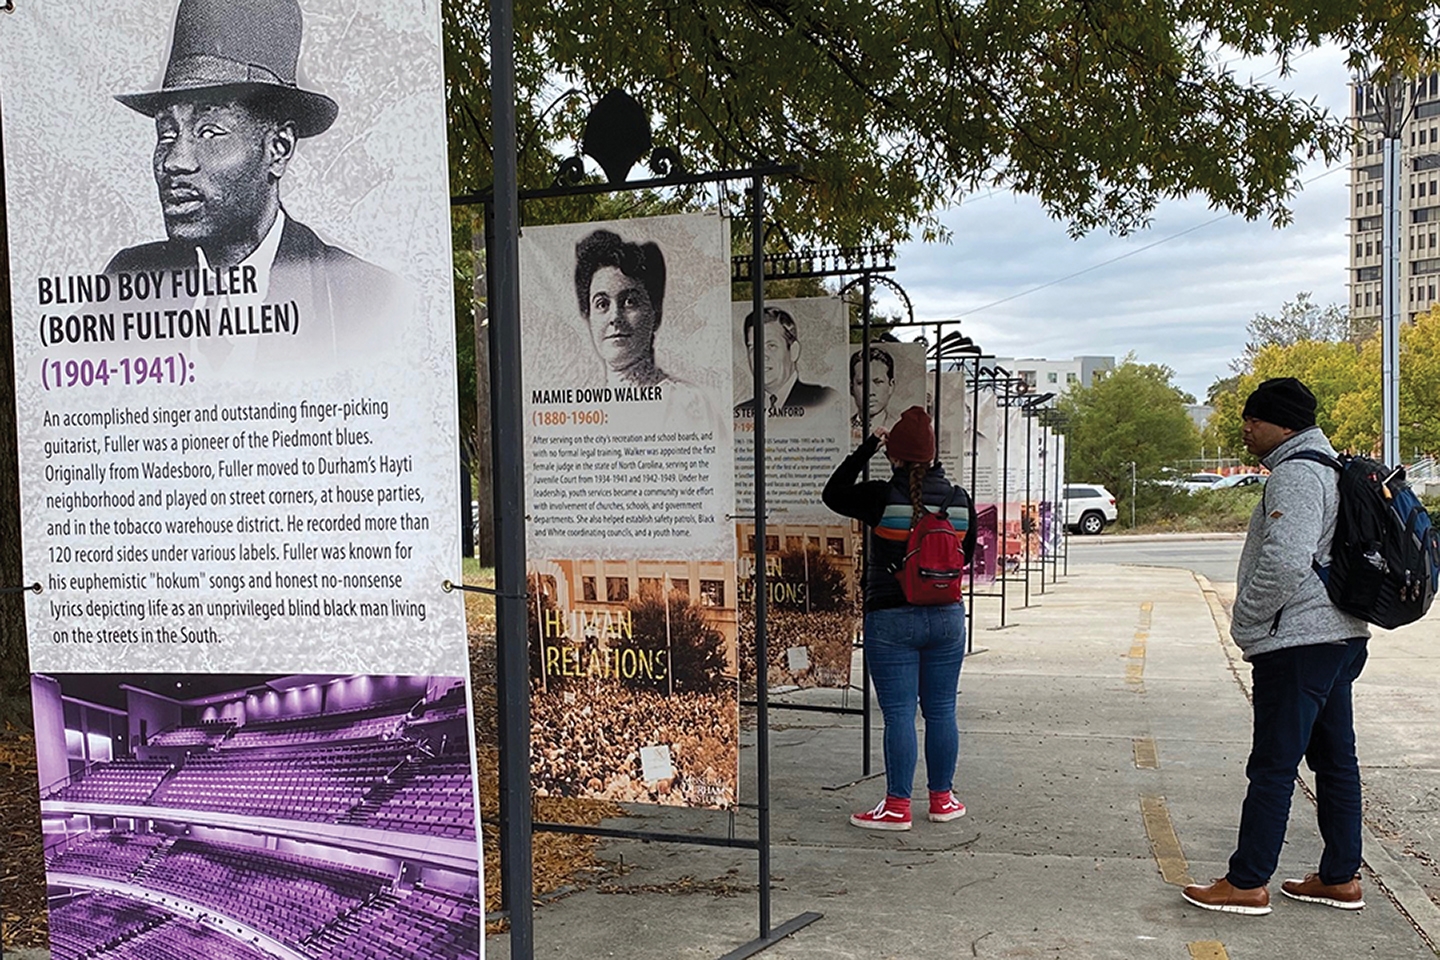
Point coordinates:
[(1025, 519), (1042, 513), (1003, 566), (762, 649), (865, 305), (974, 474), (512, 658)]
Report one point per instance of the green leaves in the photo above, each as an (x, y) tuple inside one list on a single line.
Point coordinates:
[(1100, 108), (1134, 413), (1344, 375)]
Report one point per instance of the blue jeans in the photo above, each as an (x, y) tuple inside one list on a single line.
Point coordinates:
[(915, 654), (1303, 708)]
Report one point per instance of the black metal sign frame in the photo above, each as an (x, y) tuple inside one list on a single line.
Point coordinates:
[(512, 661)]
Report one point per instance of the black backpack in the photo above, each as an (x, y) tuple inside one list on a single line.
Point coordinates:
[(1385, 555)]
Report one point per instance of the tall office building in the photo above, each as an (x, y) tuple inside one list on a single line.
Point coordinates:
[(1419, 201)]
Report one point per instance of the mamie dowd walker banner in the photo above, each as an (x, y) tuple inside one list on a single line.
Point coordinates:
[(629, 459), (231, 280)]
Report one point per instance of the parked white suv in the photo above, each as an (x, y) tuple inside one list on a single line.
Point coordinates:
[(1089, 508)]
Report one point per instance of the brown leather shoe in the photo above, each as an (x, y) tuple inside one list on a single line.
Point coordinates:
[(1343, 896), (1221, 895)]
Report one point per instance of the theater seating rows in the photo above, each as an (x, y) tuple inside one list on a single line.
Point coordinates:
[(341, 784), (208, 733), (436, 801), (321, 909), (284, 896), (112, 855), (182, 940), (315, 786), (122, 781), (374, 722), (111, 927), (80, 925), (425, 925)]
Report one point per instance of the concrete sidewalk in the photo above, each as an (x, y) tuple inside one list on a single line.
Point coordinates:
[(1103, 741)]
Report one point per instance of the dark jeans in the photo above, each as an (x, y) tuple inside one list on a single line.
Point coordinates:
[(915, 655), (1303, 708)]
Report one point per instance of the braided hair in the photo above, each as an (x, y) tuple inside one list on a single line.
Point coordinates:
[(917, 473)]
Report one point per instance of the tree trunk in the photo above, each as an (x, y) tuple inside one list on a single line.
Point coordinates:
[(14, 648)]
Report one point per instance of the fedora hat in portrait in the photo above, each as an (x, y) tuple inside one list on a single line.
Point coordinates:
[(236, 49)]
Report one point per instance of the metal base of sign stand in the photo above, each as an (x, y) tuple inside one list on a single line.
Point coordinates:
[(775, 936), (850, 783), (811, 707)]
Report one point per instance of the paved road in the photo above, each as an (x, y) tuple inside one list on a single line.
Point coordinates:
[(1214, 556)]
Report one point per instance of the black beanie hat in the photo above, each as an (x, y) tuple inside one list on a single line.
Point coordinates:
[(1283, 401)]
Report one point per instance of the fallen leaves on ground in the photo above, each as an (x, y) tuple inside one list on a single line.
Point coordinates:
[(22, 864)]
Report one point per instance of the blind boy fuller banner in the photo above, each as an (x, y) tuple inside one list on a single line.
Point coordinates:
[(235, 380), (629, 486)]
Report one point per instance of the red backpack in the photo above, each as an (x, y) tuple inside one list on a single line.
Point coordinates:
[(933, 569)]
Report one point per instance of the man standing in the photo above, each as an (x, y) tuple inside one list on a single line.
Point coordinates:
[(1305, 654), (228, 116), (782, 365)]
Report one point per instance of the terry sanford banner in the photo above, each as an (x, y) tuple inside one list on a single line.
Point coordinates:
[(806, 386), (230, 266), (810, 561), (629, 457)]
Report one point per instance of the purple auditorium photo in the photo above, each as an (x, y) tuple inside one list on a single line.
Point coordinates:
[(246, 817)]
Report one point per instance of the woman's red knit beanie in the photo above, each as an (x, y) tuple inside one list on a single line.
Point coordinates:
[(912, 439)]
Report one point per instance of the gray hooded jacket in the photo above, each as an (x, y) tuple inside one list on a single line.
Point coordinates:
[(1281, 601)]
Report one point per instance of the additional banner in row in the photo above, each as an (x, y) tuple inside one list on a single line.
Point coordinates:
[(629, 456)]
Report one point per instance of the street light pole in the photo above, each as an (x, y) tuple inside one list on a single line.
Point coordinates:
[(1132, 494), (1391, 106)]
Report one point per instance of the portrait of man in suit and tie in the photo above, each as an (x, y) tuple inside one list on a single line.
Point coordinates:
[(229, 117), (783, 384)]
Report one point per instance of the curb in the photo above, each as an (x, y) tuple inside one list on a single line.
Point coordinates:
[(1389, 874), (1166, 537)]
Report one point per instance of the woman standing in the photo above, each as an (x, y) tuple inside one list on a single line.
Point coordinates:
[(914, 652)]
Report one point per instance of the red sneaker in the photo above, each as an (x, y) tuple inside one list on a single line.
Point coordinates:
[(944, 807), (892, 813)]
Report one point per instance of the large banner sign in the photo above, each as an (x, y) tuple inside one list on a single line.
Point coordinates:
[(953, 419), (811, 578), (898, 381), (629, 459), (989, 444), (230, 263), (806, 385)]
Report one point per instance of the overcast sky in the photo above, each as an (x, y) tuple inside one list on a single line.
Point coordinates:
[(1183, 302)]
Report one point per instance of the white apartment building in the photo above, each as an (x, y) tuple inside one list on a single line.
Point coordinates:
[(1419, 201), (1055, 376)]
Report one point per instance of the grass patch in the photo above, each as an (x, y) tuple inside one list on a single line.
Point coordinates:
[(1162, 509)]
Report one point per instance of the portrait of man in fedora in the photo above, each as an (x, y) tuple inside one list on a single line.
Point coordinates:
[(229, 116)]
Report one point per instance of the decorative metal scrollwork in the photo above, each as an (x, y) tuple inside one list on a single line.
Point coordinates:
[(617, 136), (665, 162), (570, 172)]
